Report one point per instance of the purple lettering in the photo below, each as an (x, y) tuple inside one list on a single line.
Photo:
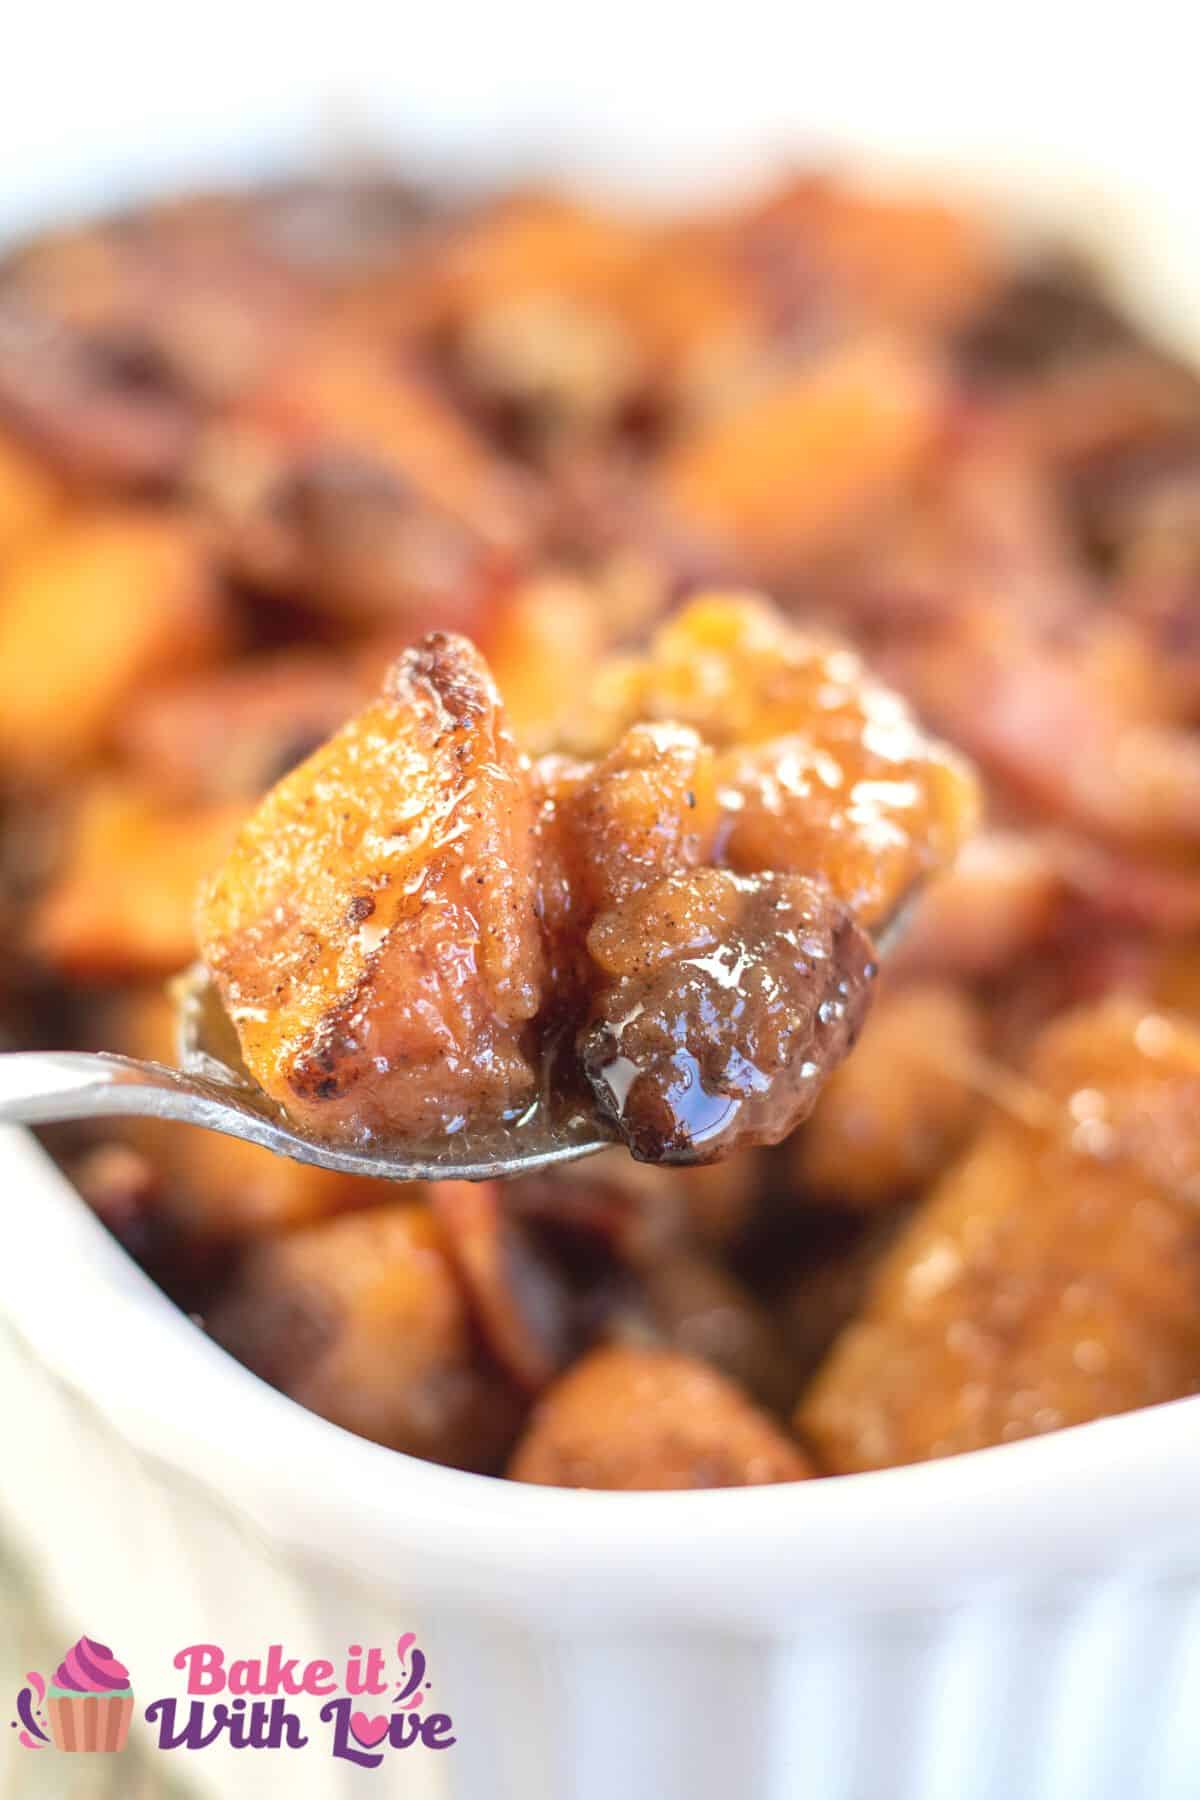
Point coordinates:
[(405, 1729), (191, 1735), (433, 1732), (337, 1713)]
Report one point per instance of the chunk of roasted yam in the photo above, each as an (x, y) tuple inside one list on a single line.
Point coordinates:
[(415, 921), (1053, 1275), (121, 905), (28, 494), (362, 1320), (89, 611), (731, 998), (819, 770), (351, 483), (794, 467), (633, 1418), (894, 1115), (233, 732), (374, 933)]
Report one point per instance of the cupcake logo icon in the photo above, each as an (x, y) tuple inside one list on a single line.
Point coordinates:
[(87, 1705)]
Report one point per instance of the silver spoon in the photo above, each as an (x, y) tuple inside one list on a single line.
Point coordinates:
[(212, 1088)]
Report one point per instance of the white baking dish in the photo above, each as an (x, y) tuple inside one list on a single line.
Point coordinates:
[(1022, 1624)]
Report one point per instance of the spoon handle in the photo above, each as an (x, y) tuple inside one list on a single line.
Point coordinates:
[(44, 1087)]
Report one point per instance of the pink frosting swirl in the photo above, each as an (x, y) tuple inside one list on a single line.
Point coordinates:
[(91, 1668)]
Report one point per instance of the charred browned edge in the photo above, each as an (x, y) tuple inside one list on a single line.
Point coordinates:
[(450, 669), (331, 1063)]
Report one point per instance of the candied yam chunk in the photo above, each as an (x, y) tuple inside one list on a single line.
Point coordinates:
[(632, 1418), (648, 805), (697, 1305), (362, 1319), (374, 933), (97, 398), (345, 533), (820, 770), (535, 243), (234, 731), (732, 997), (349, 481), (1000, 900), (29, 495), (90, 611), (548, 368), (1050, 1277), (122, 905), (357, 397), (905, 257), (552, 622), (791, 469), (892, 1117), (416, 979)]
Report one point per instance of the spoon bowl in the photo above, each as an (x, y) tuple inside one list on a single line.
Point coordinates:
[(212, 1088)]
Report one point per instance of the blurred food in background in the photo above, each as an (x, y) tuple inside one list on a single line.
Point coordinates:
[(252, 445)]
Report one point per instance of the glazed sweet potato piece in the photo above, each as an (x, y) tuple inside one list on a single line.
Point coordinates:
[(374, 933), (29, 496), (349, 481), (233, 732), (697, 1306), (727, 1000), (117, 337), (388, 982), (362, 1320), (789, 471), (89, 611), (1001, 899), (534, 243), (820, 771), (891, 1118), (903, 257), (1051, 1277), (647, 807), (552, 622), (641, 1418), (122, 904), (95, 395)]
